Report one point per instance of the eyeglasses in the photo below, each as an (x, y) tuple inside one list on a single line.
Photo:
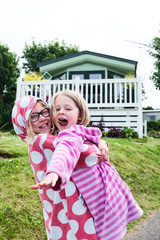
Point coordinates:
[(35, 116)]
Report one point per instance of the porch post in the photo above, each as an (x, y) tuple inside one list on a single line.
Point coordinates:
[(18, 92), (140, 121)]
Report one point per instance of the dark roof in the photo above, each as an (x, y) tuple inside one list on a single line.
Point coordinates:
[(89, 53)]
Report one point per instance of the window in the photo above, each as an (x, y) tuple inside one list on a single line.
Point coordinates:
[(87, 74), (114, 75), (77, 76), (152, 117), (62, 76)]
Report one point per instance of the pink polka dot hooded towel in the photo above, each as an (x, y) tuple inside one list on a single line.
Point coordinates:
[(40, 153), (20, 114)]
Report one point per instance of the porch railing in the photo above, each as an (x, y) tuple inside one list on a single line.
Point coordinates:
[(118, 100), (97, 93)]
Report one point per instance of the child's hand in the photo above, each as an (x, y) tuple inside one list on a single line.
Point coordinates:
[(104, 148), (49, 180)]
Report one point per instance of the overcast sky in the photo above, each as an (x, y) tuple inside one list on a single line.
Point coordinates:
[(118, 28)]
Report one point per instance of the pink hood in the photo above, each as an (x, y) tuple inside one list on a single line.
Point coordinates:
[(20, 114)]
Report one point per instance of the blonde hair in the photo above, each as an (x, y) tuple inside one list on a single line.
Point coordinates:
[(80, 103), (30, 132)]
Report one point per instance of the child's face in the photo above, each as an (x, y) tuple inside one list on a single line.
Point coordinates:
[(43, 123), (65, 113)]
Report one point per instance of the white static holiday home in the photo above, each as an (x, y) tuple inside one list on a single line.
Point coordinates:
[(103, 82)]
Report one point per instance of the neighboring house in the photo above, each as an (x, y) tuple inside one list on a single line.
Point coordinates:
[(103, 82), (151, 115)]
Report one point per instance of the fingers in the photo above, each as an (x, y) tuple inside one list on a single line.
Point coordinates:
[(104, 150), (34, 187), (49, 180)]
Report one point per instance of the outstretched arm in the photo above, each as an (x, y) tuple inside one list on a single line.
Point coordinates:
[(66, 155)]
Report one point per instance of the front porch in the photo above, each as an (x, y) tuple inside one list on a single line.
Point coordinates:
[(118, 101)]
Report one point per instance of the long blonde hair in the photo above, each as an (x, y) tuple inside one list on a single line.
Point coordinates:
[(80, 103)]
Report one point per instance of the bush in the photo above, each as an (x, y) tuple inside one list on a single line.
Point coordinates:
[(153, 125), (104, 134), (153, 128), (114, 132), (129, 133), (124, 132), (5, 116)]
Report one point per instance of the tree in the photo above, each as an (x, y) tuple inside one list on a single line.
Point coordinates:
[(148, 108), (37, 53), (9, 72), (155, 53)]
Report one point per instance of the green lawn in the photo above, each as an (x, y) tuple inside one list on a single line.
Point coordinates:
[(137, 161)]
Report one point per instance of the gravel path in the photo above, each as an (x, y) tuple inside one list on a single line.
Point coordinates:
[(149, 230)]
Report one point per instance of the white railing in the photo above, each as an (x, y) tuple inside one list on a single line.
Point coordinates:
[(118, 100), (97, 93)]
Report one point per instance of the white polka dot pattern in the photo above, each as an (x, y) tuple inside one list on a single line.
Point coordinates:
[(78, 208), (21, 120), (45, 215), (62, 216), (40, 175), (71, 236), (70, 189), (18, 130), (74, 225), (27, 114), (36, 157), (51, 194), (47, 206), (84, 148), (91, 159), (89, 226), (25, 102), (56, 233), (42, 140), (48, 154), (14, 111)]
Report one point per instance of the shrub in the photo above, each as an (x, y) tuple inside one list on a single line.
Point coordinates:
[(153, 125), (129, 132), (124, 132), (114, 132)]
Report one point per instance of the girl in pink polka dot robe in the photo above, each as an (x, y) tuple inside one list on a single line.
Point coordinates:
[(66, 214), (107, 196)]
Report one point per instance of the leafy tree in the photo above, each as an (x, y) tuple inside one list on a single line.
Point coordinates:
[(36, 53), (148, 108), (155, 53), (9, 72)]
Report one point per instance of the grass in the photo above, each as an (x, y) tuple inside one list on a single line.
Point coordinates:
[(138, 163), (20, 207), (136, 160)]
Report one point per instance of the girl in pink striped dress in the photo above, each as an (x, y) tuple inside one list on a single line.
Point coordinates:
[(107, 196)]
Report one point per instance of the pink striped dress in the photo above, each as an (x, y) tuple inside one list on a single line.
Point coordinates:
[(108, 198)]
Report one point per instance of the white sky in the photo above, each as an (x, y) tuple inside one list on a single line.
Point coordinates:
[(100, 26)]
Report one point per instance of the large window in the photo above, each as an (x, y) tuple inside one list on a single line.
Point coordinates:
[(87, 75)]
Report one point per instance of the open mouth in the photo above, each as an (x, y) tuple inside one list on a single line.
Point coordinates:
[(63, 122), (44, 125)]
